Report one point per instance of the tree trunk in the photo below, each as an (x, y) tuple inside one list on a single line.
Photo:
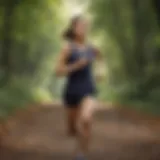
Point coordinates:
[(157, 7), (139, 38), (7, 41)]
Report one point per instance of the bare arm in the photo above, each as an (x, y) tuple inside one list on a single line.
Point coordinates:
[(63, 68)]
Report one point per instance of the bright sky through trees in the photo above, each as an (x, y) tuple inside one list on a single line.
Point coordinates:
[(74, 7)]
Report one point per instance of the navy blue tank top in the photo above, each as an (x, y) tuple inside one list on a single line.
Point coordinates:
[(81, 81)]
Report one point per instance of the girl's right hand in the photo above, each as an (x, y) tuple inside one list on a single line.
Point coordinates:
[(82, 62), (78, 65)]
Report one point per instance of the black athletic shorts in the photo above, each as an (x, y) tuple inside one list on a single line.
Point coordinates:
[(74, 100)]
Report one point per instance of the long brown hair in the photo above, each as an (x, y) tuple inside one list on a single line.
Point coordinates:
[(69, 33)]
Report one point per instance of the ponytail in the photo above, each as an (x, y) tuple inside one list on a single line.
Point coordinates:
[(69, 33)]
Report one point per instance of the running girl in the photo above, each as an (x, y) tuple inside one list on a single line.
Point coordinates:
[(75, 63)]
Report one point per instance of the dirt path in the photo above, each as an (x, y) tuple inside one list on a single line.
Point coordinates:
[(41, 135)]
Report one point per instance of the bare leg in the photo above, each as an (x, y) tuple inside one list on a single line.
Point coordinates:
[(84, 124), (72, 117)]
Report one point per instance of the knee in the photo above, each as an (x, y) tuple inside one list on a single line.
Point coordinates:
[(84, 124)]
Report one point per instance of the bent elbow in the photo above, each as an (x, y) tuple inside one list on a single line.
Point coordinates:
[(59, 73)]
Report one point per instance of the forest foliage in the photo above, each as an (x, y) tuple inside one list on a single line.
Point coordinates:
[(30, 39), (131, 37)]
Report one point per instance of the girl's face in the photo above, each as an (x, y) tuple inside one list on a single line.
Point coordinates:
[(81, 28)]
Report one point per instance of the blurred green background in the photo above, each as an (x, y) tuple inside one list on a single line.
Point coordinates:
[(126, 31)]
